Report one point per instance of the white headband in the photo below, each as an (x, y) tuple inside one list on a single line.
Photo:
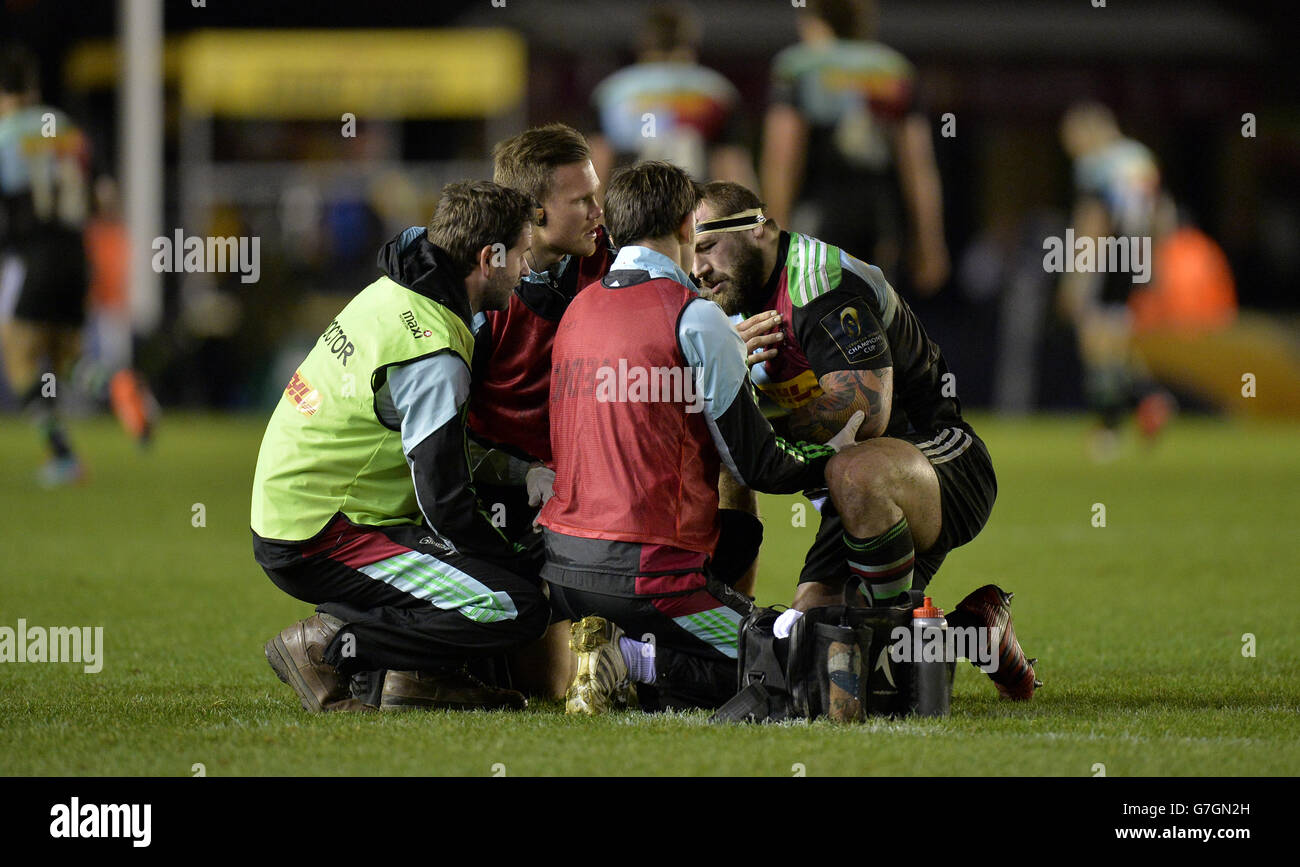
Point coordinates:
[(732, 222)]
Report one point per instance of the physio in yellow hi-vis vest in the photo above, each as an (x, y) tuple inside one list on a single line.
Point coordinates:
[(362, 498)]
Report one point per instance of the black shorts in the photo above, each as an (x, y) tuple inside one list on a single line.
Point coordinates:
[(967, 489), (1116, 287), (52, 280)]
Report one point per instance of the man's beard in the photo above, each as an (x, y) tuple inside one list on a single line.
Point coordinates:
[(501, 288), (745, 282)]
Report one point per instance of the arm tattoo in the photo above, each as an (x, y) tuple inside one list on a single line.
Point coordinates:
[(845, 392)]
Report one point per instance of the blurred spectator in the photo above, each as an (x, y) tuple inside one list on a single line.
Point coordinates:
[(1192, 289), (108, 250), (105, 371), (666, 106), (846, 155)]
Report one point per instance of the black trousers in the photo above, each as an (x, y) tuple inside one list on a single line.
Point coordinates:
[(408, 603)]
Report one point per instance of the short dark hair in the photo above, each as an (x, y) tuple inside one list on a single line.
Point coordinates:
[(727, 197), (526, 161), (471, 215), (18, 71), (669, 26), (847, 19), (648, 200)]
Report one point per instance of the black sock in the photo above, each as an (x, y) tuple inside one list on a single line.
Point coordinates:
[(1109, 389), (55, 437)]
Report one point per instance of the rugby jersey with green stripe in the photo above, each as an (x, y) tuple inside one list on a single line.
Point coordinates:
[(839, 313)]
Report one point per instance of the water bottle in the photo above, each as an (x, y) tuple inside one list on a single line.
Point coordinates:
[(930, 677)]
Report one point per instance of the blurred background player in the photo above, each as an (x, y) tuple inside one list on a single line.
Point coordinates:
[(363, 503), (846, 154), (44, 198), (667, 106), (633, 532), (1118, 194), (52, 251), (922, 482)]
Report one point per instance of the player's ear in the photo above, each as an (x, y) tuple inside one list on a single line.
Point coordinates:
[(686, 230), (485, 262)]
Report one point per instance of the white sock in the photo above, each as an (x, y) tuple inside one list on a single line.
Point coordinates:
[(640, 659), (781, 628)]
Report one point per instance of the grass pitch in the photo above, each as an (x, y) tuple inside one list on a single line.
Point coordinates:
[(1140, 627)]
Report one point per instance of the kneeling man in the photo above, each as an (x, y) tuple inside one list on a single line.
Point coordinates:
[(649, 399), (362, 502)]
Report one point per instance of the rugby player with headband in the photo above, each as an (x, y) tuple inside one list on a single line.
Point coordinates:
[(827, 335)]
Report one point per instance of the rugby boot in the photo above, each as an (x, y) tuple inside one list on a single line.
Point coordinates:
[(1154, 413), (990, 607), (58, 472), (133, 404), (297, 655), (454, 689), (601, 681)]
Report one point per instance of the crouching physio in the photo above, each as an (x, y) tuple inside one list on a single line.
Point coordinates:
[(648, 402), (362, 499)]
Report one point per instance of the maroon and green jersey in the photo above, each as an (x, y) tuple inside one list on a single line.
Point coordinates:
[(851, 94), (509, 408), (839, 313)]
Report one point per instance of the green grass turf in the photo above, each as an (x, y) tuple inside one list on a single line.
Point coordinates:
[(1138, 625)]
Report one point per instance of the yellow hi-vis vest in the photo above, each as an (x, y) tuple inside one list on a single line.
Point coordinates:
[(326, 450)]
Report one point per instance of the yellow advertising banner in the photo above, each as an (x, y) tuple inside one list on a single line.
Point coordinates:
[(370, 73)]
